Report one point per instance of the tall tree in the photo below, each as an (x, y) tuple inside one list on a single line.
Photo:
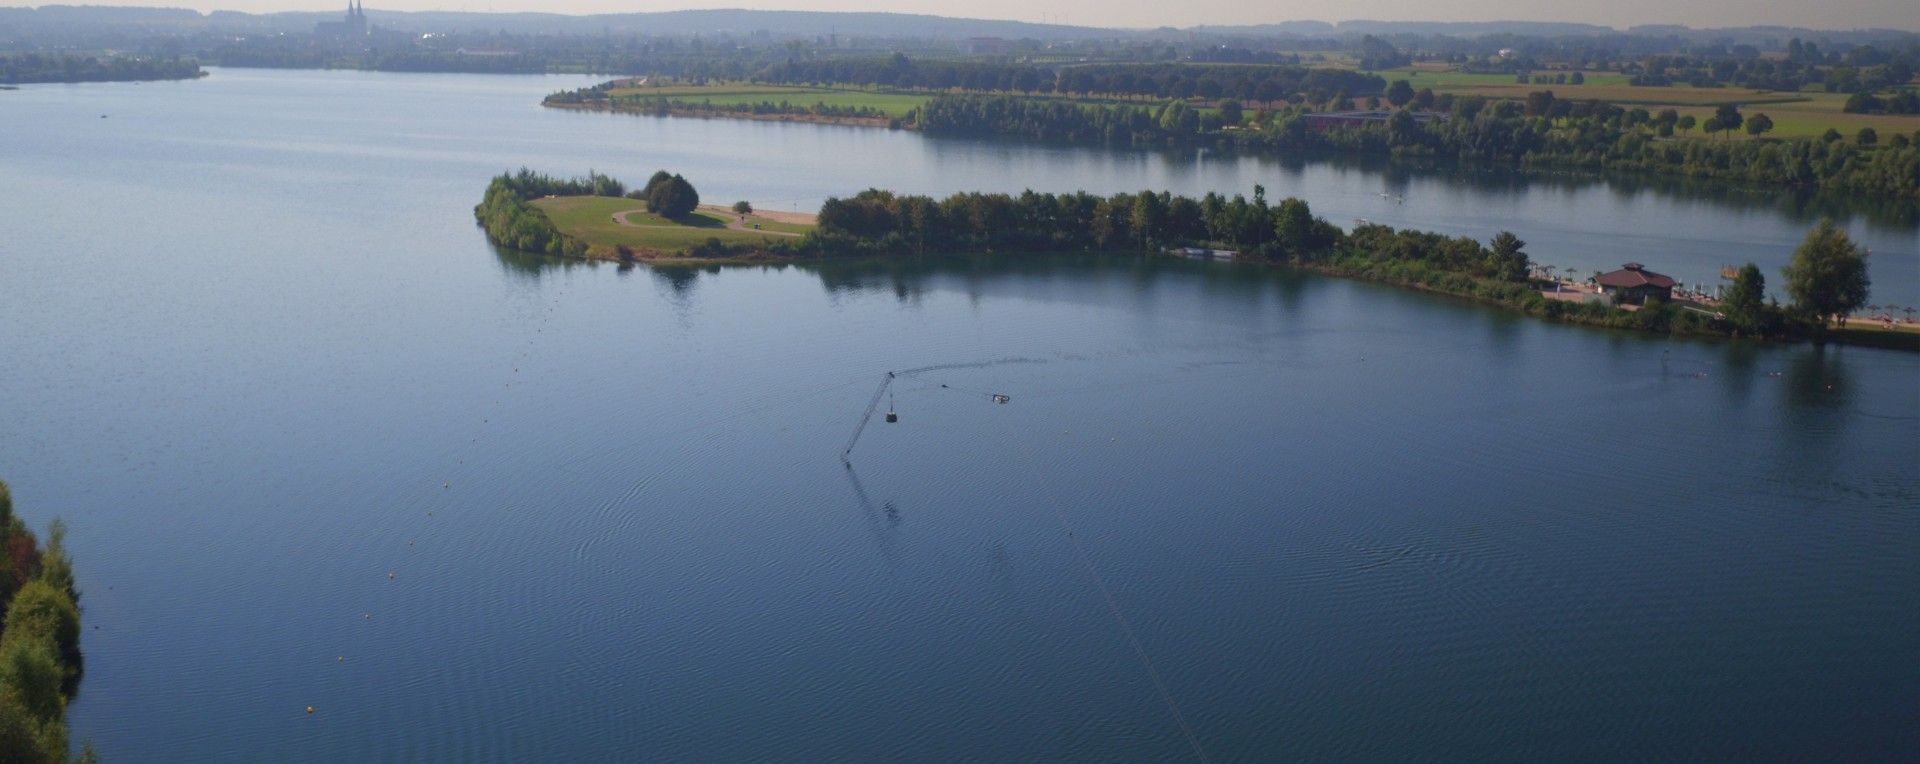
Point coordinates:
[(1744, 300), (1827, 278), (1293, 226), (1148, 218), (1727, 116), (1759, 123), (1507, 261)]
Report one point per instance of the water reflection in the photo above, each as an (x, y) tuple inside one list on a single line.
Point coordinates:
[(1194, 167)]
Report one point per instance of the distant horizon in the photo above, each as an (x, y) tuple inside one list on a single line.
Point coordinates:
[(1836, 16)]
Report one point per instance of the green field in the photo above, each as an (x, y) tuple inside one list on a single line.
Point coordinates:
[(1806, 114), (894, 105), (591, 219), (1795, 115)]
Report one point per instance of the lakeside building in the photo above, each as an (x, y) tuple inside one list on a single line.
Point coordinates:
[(1633, 283), (1333, 120), (355, 24)]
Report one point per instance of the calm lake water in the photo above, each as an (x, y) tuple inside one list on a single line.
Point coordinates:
[(320, 445)]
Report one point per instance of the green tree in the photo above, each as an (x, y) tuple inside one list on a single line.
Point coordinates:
[(1507, 262), (1293, 226), (1399, 93), (743, 207), (675, 198), (1148, 218), (55, 567), (1745, 300), (1728, 115), (40, 609), (1827, 278), (1759, 123), (31, 675), (1866, 137)]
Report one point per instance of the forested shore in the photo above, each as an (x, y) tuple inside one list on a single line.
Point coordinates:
[(1828, 281), (1543, 131), (34, 68)]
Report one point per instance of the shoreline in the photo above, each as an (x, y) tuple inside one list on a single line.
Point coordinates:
[(1897, 339), (681, 111)]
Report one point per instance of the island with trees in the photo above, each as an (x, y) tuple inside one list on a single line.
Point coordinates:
[(40, 659), (597, 217)]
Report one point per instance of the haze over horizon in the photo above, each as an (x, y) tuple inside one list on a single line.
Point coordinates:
[(1838, 14)]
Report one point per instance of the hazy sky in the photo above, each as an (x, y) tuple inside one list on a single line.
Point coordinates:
[(1824, 14)]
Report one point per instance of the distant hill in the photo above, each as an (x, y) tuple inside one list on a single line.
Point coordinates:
[(20, 23), (67, 19), (1456, 28)]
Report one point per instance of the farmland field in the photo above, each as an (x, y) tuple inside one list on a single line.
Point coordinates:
[(1805, 114)]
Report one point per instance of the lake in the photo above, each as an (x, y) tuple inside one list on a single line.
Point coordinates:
[(321, 445)]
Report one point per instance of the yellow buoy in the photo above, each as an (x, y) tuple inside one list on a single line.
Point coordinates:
[(309, 709)]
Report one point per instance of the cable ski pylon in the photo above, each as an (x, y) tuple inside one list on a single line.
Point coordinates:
[(887, 381), (866, 417)]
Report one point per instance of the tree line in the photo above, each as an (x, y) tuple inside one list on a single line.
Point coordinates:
[(1827, 279), (40, 659), (1254, 82), (599, 97), (1862, 69), (38, 67), (1542, 130)]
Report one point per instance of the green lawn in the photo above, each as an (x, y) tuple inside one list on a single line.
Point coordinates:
[(590, 218)]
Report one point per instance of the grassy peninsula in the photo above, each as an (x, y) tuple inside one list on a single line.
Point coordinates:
[(596, 217), (40, 660)]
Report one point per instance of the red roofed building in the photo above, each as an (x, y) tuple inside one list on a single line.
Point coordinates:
[(1634, 284)]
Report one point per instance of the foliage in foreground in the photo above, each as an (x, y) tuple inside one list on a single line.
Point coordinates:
[(40, 659)]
